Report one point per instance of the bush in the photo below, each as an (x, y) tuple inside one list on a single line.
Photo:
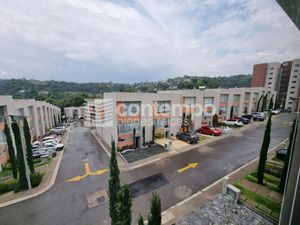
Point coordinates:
[(159, 135), (7, 186), (36, 179)]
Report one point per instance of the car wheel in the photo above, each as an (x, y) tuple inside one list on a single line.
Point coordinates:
[(213, 134), (189, 142)]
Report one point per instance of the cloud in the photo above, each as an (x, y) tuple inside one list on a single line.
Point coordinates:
[(141, 40)]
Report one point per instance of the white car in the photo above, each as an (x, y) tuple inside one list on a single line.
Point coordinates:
[(226, 130), (275, 111), (51, 138), (49, 144), (233, 122)]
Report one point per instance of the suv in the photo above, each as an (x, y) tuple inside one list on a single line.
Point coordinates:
[(190, 138), (258, 116), (243, 119)]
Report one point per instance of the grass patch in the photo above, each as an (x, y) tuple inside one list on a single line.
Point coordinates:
[(273, 169), (276, 159), (251, 195), (39, 163), (267, 177)]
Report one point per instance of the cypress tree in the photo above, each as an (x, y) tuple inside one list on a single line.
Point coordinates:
[(264, 151), (114, 184), (141, 220), (153, 133), (271, 104), (20, 157), (133, 137), (287, 158), (215, 120), (123, 206), (27, 136), (11, 151), (154, 218), (231, 111), (144, 136), (264, 105), (258, 103)]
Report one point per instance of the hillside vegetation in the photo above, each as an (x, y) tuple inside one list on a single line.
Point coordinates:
[(62, 93)]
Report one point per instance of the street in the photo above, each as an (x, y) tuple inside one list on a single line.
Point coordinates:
[(66, 202)]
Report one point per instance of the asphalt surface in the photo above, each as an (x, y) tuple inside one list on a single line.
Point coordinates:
[(66, 202)]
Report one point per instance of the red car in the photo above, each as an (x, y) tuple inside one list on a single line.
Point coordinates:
[(210, 131)]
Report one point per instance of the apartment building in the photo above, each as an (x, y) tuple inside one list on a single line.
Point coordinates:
[(74, 112), (280, 77), (40, 116), (118, 114)]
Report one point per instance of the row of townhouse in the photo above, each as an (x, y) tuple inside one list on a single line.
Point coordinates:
[(41, 116), (117, 114)]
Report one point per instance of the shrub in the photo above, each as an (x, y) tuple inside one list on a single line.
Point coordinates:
[(36, 179), (7, 186), (159, 135)]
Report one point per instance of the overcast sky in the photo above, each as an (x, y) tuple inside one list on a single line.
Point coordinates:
[(139, 40)]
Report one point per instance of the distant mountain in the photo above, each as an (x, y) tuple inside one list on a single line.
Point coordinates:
[(64, 93)]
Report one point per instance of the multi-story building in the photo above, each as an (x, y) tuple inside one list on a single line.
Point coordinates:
[(280, 77), (118, 114), (74, 112), (40, 115)]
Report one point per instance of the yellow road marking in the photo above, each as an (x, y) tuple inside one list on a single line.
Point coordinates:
[(88, 172), (189, 166)]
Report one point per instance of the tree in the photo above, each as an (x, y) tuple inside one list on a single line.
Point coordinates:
[(141, 220), (11, 151), (153, 133), (154, 218), (144, 136), (114, 184), (258, 103), (290, 151), (20, 156), (264, 105), (264, 151), (123, 206), (271, 104), (231, 111), (27, 136), (133, 138), (215, 120)]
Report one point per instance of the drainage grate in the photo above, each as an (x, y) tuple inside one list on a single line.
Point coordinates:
[(97, 198)]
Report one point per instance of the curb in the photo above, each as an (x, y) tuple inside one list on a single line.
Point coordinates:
[(169, 210), (46, 188)]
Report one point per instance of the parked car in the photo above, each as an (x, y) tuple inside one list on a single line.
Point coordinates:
[(209, 130), (233, 122), (54, 137), (249, 117), (226, 130), (53, 144), (243, 119), (57, 131), (281, 153), (190, 138), (258, 116), (275, 111)]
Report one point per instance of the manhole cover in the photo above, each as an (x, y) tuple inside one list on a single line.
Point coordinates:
[(97, 198), (101, 199)]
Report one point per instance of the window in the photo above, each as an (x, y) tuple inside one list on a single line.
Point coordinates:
[(127, 128), (161, 123), (272, 68), (270, 83), (163, 106), (295, 76), (297, 65), (292, 92), (224, 98), (271, 73), (131, 108), (292, 87), (222, 110), (2, 111), (293, 81), (208, 100), (295, 71), (190, 101), (236, 98), (270, 78)]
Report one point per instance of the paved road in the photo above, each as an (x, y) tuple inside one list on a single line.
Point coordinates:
[(66, 203)]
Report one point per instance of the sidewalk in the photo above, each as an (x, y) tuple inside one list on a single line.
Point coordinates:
[(171, 215), (46, 183), (123, 166)]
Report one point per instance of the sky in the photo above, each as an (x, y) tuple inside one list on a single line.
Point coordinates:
[(141, 40)]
